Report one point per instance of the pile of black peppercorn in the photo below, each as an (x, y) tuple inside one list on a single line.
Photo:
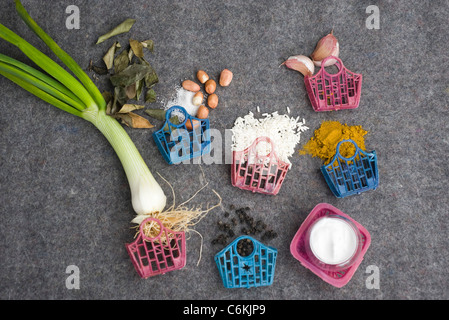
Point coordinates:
[(247, 225)]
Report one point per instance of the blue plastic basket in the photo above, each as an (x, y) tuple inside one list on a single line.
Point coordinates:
[(254, 270), (354, 175), (177, 143)]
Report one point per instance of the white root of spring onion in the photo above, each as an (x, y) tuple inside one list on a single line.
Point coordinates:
[(177, 218)]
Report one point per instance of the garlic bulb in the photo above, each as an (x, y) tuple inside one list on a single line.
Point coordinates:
[(327, 46), (300, 63)]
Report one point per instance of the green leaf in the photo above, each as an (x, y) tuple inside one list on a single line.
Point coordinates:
[(38, 83), (124, 27), (42, 76), (88, 84), (42, 94), (51, 67)]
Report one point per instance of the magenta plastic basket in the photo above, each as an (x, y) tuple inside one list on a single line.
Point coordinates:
[(331, 92), (258, 173), (161, 254), (299, 250)]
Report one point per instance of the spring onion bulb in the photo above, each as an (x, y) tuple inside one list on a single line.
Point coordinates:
[(78, 95)]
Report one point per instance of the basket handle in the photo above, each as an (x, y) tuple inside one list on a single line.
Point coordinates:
[(357, 150), (253, 147), (173, 109), (338, 64), (151, 219), (255, 246)]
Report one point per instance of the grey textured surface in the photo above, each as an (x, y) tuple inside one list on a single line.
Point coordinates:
[(64, 197)]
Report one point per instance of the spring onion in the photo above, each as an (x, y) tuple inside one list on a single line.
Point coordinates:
[(78, 95)]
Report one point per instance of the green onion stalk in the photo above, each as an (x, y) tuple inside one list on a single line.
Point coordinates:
[(78, 95)]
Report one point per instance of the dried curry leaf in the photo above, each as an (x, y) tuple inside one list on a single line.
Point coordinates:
[(109, 56), (149, 44), (107, 96), (134, 121), (173, 121), (131, 91), (98, 70), (130, 75), (130, 55), (109, 107), (130, 107), (136, 47), (121, 62), (139, 89), (151, 79), (158, 114), (124, 27), (120, 99), (150, 96)]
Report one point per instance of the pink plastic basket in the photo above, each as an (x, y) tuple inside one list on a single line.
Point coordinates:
[(299, 249), (258, 173), (331, 92), (161, 254)]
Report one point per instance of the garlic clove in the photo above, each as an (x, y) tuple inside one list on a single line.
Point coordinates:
[(327, 46), (300, 63), (329, 62)]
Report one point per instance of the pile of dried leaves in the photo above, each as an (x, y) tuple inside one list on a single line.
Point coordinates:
[(130, 75)]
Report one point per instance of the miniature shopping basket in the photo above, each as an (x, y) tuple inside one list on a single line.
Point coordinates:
[(258, 173), (160, 254), (253, 270), (354, 175), (329, 92), (298, 247), (184, 141)]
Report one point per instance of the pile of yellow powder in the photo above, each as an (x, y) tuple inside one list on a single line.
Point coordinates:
[(324, 143)]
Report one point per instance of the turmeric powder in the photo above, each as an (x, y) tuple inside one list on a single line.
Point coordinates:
[(324, 143)]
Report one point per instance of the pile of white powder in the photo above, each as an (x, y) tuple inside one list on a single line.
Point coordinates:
[(283, 131), (184, 99)]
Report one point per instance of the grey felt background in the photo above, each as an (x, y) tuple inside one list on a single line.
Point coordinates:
[(65, 199)]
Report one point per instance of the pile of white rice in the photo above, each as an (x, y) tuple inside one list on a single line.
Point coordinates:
[(284, 132)]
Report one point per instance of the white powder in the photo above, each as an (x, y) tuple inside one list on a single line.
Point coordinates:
[(283, 131), (184, 99), (333, 241)]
